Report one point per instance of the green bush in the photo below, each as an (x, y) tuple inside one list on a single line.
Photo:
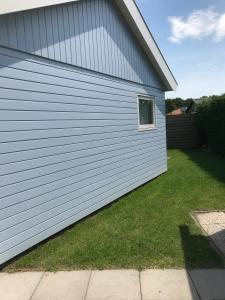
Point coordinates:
[(212, 122)]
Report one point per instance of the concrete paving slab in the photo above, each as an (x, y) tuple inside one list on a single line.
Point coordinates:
[(114, 285), (209, 218), (167, 285), (18, 286), (210, 284), (213, 224), (63, 286), (213, 229)]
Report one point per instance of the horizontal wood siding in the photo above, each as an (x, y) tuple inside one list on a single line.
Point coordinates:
[(182, 132), (69, 144), (90, 34)]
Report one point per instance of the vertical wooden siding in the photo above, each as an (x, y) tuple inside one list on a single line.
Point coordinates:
[(89, 34), (69, 144)]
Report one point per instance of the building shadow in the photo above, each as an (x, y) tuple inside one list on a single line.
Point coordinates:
[(204, 266), (197, 250), (209, 162)]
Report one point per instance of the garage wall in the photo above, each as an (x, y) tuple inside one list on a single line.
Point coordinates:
[(90, 34), (69, 145)]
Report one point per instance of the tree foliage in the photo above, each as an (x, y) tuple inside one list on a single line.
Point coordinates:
[(211, 112)]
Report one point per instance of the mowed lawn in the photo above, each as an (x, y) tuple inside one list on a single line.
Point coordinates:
[(150, 227)]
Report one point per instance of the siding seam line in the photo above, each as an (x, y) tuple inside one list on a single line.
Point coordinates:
[(62, 170), (107, 76), (68, 144), (63, 187), (68, 160)]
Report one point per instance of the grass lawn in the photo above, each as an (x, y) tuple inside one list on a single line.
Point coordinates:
[(150, 227)]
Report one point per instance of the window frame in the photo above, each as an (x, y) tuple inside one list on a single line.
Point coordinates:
[(146, 127)]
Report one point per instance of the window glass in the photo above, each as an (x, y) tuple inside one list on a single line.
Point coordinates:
[(146, 112)]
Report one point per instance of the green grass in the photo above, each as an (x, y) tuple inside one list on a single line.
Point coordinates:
[(150, 227)]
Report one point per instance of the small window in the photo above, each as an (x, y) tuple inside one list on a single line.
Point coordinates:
[(146, 106)]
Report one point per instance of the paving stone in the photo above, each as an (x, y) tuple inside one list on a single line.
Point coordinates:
[(63, 286), (221, 246), (210, 284), (114, 285), (219, 236), (210, 218), (213, 228), (213, 224), (167, 285), (18, 286), (202, 218)]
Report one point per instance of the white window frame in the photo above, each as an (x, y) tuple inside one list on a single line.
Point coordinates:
[(146, 126)]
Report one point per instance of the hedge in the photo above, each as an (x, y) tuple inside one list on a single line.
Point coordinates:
[(212, 122)]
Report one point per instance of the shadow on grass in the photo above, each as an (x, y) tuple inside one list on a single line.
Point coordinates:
[(204, 266), (197, 250), (211, 163)]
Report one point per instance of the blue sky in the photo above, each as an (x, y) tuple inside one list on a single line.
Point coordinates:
[(191, 36)]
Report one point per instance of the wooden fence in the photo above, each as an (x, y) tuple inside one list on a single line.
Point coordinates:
[(182, 131)]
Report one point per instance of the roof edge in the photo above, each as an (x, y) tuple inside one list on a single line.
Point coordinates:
[(10, 6), (132, 13)]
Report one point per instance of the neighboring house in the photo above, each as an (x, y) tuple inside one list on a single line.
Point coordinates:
[(82, 113), (190, 109), (177, 112)]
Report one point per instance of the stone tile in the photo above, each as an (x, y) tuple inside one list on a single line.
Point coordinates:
[(213, 225), (210, 218), (167, 285), (210, 284), (217, 234), (213, 229), (202, 218), (18, 286), (221, 246), (63, 286), (114, 285)]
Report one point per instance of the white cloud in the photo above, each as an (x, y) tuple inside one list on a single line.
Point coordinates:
[(199, 24), (220, 29)]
